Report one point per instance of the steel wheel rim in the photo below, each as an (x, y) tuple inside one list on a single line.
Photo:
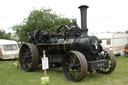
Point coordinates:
[(74, 67)]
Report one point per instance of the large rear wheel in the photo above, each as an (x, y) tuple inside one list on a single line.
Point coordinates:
[(75, 66), (28, 57)]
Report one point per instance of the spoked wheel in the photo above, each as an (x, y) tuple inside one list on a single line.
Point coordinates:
[(75, 66), (107, 54), (28, 57)]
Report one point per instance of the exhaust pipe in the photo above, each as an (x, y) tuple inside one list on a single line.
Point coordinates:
[(83, 9)]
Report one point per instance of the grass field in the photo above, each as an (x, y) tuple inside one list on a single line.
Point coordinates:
[(10, 75)]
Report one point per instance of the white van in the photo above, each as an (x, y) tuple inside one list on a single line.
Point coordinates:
[(8, 49)]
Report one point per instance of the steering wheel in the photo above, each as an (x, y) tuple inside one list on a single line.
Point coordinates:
[(62, 29)]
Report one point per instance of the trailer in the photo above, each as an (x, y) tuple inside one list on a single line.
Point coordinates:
[(115, 41), (8, 49)]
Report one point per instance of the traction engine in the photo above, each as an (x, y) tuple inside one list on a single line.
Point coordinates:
[(70, 48)]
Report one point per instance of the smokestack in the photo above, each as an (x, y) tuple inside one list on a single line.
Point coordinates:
[(83, 9)]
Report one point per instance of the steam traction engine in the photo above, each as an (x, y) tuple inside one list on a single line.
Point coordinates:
[(69, 47)]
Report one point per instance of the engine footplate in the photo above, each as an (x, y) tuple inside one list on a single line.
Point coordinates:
[(97, 64)]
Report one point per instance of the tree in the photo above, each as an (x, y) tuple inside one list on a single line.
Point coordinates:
[(4, 35), (43, 19)]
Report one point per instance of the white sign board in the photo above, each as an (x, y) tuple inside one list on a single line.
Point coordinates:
[(45, 63)]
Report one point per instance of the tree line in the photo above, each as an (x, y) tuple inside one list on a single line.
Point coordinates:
[(4, 35)]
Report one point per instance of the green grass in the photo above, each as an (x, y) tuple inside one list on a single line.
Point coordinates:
[(10, 75)]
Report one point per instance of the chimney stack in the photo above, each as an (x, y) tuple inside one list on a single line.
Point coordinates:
[(83, 9)]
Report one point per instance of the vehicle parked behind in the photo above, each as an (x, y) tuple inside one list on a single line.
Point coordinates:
[(126, 49), (8, 49)]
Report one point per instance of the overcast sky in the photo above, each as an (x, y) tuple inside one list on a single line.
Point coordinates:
[(103, 15)]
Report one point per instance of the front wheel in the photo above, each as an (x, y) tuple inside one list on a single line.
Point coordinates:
[(75, 66), (107, 54)]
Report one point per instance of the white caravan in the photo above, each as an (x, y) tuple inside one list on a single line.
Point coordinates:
[(8, 49), (115, 41)]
